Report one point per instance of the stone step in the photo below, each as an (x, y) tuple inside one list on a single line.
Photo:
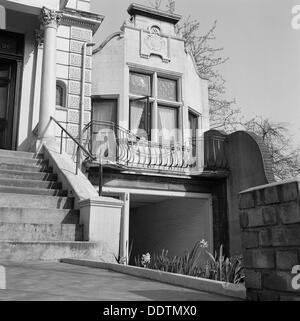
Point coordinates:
[(13, 182), (32, 251), (7, 173), (38, 215), (40, 232), (13, 153), (32, 191), (35, 201), (23, 161), (25, 168)]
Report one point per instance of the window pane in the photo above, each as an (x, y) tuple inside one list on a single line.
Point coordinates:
[(140, 84), (168, 122), (59, 95), (3, 101), (167, 89), (138, 118), (193, 123), (105, 110)]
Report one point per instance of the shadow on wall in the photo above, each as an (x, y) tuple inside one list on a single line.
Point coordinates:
[(249, 164)]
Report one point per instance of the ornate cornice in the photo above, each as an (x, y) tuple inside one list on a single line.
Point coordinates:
[(50, 17), (82, 19)]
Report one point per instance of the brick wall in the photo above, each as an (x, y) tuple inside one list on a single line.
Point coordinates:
[(270, 223)]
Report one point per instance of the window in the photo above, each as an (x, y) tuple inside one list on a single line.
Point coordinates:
[(140, 108), (168, 122), (193, 125), (105, 110), (140, 118), (140, 84), (167, 89), (60, 94), (164, 100)]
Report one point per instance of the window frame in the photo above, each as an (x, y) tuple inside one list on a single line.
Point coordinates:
[(149, 106), (62, 85), (154, 101)]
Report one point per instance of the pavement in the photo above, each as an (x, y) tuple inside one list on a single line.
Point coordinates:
[(55, 281)]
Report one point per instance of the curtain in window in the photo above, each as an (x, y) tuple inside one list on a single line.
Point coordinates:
[(167, 122), (105, 110), (103, 139), (136, 116)]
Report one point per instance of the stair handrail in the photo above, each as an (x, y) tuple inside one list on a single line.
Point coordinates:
[(79, 146)]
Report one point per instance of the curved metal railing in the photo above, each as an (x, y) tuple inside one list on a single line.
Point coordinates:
[(110, 143)]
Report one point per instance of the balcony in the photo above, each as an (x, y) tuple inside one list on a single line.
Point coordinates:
[(115, 146)]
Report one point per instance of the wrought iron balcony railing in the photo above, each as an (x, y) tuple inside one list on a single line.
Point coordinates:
[(113, 145)]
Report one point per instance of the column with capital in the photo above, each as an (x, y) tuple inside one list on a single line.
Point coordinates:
[(50, 21)]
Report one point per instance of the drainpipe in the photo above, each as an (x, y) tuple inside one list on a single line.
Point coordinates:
[(81, 116)]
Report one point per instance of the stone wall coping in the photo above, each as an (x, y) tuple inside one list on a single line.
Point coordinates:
[(101, 202), (275, 184), (79, 185), (236, 291)]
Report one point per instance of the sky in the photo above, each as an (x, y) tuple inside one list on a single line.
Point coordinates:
[(263, 71)]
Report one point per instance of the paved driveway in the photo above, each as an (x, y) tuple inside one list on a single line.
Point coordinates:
[(48, 281)]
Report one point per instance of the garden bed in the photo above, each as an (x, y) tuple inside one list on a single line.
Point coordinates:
[(229, 290)]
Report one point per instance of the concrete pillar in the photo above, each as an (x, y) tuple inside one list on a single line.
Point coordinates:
[(124, 238), (50, 20), (101, 218)]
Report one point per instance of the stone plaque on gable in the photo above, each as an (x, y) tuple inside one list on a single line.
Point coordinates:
[(154, 44)]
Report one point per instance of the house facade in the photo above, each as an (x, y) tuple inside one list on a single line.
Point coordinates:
[(128, 120), (150, 108), (150, 130), (41, 52)]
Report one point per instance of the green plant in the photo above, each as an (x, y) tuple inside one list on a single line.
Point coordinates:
[(123, 259), (224, 269), (199, 263)]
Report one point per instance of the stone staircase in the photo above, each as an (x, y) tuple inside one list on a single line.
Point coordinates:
[(37, 219)]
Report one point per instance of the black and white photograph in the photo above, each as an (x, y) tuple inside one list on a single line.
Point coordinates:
[(149, 154)]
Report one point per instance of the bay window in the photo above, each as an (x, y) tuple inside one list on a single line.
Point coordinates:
[(154, 105)]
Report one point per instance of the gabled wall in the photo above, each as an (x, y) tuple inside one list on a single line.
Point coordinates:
[(141, 51)]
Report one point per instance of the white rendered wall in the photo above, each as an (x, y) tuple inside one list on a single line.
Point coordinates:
[(173, 225), (111, 74)]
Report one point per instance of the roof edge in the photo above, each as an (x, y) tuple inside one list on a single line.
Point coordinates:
[(135, 8)]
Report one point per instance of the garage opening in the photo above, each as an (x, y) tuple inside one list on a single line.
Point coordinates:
[(175, 224)]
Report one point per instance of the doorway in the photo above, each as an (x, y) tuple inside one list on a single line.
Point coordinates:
[(7, 101)]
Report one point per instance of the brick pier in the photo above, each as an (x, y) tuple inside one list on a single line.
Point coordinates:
[(270, 223)]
